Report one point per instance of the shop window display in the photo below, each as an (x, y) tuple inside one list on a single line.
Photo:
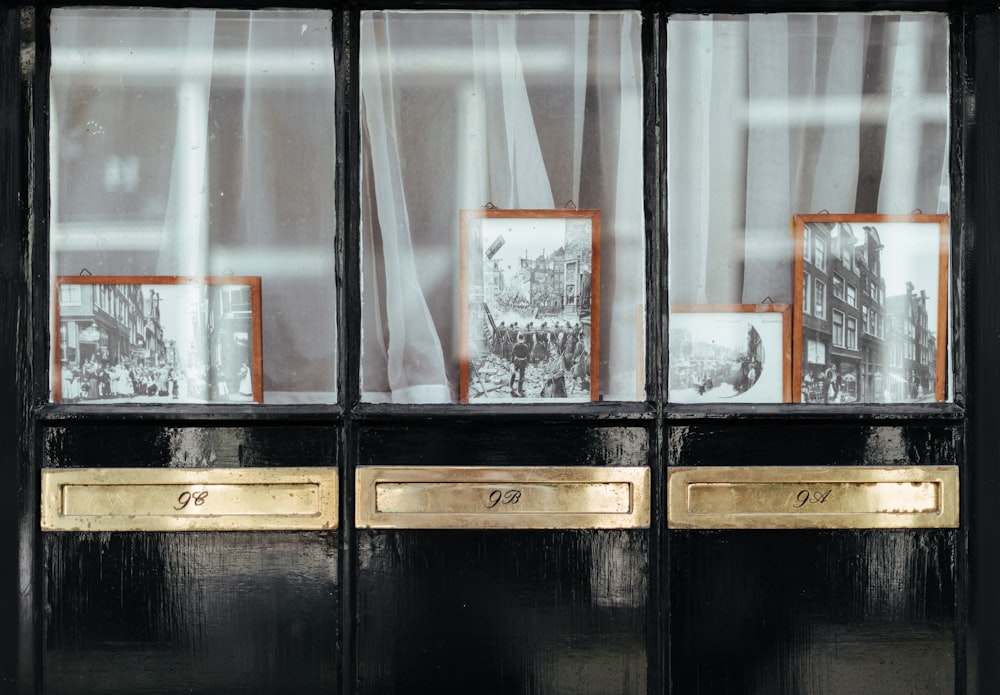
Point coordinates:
[(499, 111), (194, 144), (777, 115)]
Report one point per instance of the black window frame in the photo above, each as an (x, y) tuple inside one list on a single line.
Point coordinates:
[(975, 337)]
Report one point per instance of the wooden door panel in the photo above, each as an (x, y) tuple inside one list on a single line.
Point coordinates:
[(782, 611), (503, 611), (757, 612), (199, 612), (191, 613)]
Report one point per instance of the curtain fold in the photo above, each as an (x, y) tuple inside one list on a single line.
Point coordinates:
[(621, 246), (509, 111), (770, 159), (414, 358), (581, 39), (834, 173), (834, 113), (902, 190), (707, 151)]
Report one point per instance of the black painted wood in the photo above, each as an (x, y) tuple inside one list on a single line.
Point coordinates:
[(191, 612), (504, 611), (813, 444), (505, 445), (783, 611), (143, 446), (17, 531), (979, 148), (159, 613), (533, 612), (500, 612), (763, 612)]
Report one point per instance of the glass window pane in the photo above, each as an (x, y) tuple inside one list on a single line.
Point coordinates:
[(526, 111), (199, 143), (776, 115)]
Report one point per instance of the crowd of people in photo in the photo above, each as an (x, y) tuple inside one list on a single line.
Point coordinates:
[(561, 351), (823, 386), (100, 379)]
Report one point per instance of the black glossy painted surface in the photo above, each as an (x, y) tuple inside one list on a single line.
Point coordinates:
[(158, 613), (791, 443), (765, 612), (496, 444), (209, 613), (502, 612), (980, 145), (780, 611), (17, 666), (110, 446)]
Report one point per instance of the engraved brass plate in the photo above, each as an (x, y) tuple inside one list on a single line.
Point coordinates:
[(189, 499), (813, 497), (517, 497)]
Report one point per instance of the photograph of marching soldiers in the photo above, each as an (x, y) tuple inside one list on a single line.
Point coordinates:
[(142, 343), (869, 305), (529, 309), (726, 357)]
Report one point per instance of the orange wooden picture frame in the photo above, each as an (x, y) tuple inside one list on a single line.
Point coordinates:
[(553, 258), (893, 282), (150, 339)]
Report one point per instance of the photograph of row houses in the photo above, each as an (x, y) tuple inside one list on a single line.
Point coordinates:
[(124, 339), (869, 297)]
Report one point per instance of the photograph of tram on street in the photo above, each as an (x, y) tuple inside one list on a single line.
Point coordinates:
[(176, 341), (728, 356), (530, 321)]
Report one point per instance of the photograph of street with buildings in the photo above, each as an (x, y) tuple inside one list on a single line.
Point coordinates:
[(531, 322), (729, 354), (870, 309), (149, 340)]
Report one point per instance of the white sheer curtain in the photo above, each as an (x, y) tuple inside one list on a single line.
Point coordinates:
[(518, 110), (402, 339), (280, 157), (772, 115), (225, 124)]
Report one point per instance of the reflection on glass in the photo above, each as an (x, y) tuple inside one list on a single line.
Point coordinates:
[(522, 111), (775, 115), (202, 143)]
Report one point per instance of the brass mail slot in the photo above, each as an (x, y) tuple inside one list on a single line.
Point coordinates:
[(188, 499), (813, 497), (518, 497)]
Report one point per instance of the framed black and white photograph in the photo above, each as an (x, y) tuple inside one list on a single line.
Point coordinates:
[(730, 353), (870, 308), (530, 283), (152, 339)]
